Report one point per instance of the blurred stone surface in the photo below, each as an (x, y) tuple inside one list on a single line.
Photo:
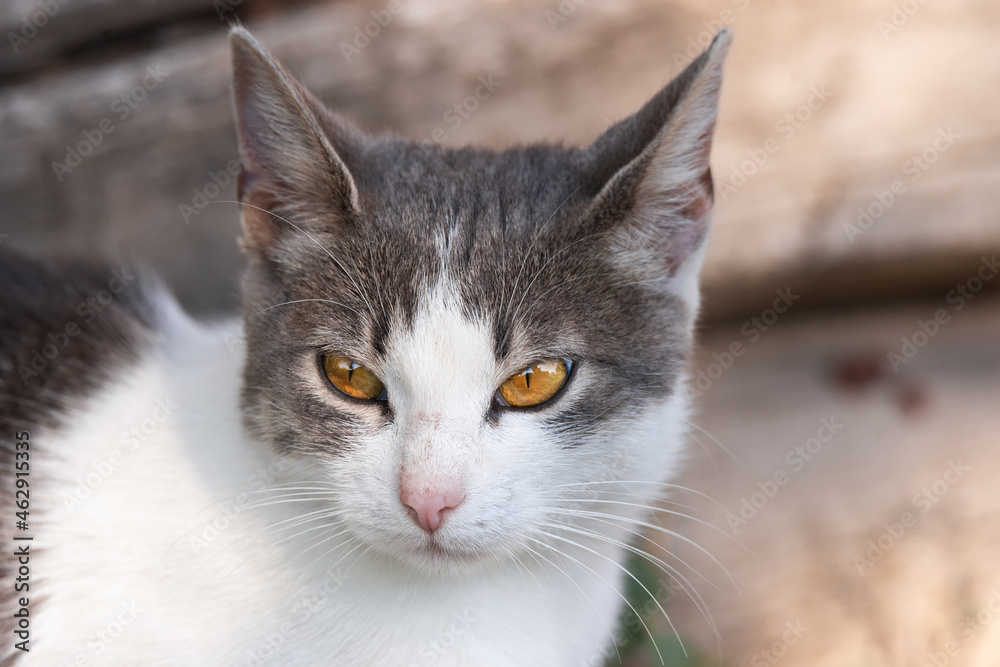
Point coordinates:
[(824, 108), (879, 534), (36, 32)]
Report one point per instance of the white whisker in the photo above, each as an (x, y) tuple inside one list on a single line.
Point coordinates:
[(594, 572), (580, 588), (716, 441), (668, 569)]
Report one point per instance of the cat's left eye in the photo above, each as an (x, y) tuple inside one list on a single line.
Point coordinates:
[(535, 384), (352, 378)]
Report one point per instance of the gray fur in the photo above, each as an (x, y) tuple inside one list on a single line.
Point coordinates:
[(534, 236)]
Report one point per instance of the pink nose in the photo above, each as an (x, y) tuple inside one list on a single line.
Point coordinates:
[(428, 505)]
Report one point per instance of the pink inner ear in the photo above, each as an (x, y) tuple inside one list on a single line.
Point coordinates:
[(260, 225), (695, 213), (684, 241), (247, 182), (685, 221)]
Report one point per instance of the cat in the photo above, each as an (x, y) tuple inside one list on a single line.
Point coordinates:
[(459, 377)]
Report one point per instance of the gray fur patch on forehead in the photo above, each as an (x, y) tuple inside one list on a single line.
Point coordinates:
[(508, 228), (422, 210), (509, 231)]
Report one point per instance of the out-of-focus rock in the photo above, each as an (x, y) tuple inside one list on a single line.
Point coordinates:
[(856, 151)]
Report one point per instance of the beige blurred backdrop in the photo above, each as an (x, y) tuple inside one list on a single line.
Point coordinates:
[(848, 430)]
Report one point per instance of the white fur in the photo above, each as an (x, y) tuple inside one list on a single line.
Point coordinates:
[(171, 529), (188, 542)]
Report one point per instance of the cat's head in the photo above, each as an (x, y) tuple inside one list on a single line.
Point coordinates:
[(458, 341)]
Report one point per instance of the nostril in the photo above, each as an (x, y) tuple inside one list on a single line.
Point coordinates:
[(428, 507), (412, 512)]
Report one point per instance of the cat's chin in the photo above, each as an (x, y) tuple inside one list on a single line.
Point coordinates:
[(437, 558)]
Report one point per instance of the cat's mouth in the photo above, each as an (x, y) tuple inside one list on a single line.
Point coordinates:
[(443, 549), (438, 551), (442, 553)]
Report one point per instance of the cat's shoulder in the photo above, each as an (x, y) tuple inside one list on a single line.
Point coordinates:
[(65, 330)]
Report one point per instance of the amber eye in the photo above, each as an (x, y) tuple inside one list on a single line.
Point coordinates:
[(535, 384), (352, 378)]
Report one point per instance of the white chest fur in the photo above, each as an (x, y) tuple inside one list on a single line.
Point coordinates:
[(162, 544)]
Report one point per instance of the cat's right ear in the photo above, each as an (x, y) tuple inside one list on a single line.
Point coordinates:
[(289, 162)]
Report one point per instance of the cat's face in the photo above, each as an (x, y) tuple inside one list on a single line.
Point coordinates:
[(458, 343)]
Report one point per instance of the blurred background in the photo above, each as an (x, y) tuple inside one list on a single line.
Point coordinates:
[(848, 427)]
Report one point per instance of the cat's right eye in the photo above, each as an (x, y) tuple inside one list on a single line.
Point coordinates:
[(352, 378)]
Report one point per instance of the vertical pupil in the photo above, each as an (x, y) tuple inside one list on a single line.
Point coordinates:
[(527, 379)]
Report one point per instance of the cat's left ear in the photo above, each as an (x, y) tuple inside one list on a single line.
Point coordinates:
[(652, 176)]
